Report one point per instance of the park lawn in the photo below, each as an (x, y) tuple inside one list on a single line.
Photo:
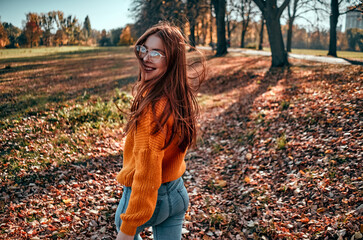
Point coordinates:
[(353, 55), (342, 54), (277, 153), (43, 51)]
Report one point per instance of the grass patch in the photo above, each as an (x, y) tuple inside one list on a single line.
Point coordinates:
[(324, 53), (63, 133), (284, 105), (281, 142), (42, 51)]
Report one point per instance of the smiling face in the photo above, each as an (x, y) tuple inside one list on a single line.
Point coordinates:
[(151, 68)]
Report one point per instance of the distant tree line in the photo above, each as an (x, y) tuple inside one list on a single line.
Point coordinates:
[(222, 23), (55, 29), (218, 23)]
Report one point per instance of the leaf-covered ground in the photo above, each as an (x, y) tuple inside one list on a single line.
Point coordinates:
[(279, 153)]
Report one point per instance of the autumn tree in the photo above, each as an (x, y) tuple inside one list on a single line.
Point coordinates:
[(192, 18), (262, 26), (87, 28), (115, 36), (220, 11), (73, 29), (272, 13), (47, 21), (105, 40), (197, 13), (60, 20), (13, 33), (244, 9), (211, 24), (300, 38), (125, 37), (296, 9), (32, 29), (149, 13), (333, 20), (4, 40), (61, 37), (336, 9), (355, 38), (230, 22), (203, 16)]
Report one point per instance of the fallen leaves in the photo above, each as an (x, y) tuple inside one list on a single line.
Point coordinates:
[(278, 157), (301, 188)]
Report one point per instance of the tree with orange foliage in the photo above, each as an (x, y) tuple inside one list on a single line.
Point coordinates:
[(4, 40), (125, 37), (32, 29)]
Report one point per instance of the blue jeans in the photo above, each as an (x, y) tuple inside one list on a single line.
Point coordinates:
[(168, 217)]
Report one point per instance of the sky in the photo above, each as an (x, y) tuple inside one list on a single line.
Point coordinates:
[(106, 14)]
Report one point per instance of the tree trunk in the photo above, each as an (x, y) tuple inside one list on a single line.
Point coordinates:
[(192, 34), (204, 26), (211, 24), (228, 26), (220, 9), (191, 14), (279, 55), (197, 37), (333, 28), (289, 35), (272, 15), (243, 34), (291, 20), (261, 34), (245, 15)]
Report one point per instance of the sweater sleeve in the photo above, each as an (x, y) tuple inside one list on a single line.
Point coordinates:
[(148, 155)]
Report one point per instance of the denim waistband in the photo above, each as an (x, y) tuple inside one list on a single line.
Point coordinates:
[(170, 186)]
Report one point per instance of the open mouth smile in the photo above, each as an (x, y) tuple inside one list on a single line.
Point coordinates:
[(148, 69)]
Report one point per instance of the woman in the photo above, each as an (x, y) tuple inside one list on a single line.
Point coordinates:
[(161, 127)]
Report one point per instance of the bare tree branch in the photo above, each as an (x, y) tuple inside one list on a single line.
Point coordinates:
[(260, 4), (282, 7)]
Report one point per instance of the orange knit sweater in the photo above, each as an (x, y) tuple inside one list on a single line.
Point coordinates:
[(146, 166)]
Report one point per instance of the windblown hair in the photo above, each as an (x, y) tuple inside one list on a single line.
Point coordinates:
[(175, 85)]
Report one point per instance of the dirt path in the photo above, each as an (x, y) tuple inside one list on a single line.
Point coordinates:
[(323, 59)]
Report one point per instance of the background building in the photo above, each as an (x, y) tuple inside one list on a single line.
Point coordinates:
[(353, 20)]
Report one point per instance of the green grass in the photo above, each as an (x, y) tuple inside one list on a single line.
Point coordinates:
[(45, 51), (342, 54), (57, 105), (324, 53), (61, 126)]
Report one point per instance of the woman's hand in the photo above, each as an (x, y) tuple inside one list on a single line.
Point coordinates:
[(123, 236)]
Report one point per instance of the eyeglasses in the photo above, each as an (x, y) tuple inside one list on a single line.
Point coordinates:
[(154, 56)]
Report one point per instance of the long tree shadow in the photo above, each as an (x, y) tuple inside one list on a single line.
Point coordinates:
[(244, 144), (354, 62), (61, 81), (232, 77), (12, 108), (64, 55), (19, 68)]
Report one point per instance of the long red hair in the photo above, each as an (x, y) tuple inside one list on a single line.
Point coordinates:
[(175, 85)]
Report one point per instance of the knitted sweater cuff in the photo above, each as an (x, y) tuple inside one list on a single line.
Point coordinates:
[(128, 229)]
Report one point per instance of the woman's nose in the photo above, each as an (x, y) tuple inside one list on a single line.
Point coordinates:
[(146, 57)]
